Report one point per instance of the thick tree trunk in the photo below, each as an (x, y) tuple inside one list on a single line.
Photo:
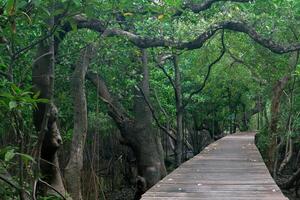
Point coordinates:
[(137, 133), (46, 115), (275, 108), (179, 112), (75, 163), (275, 111), (151, 160)]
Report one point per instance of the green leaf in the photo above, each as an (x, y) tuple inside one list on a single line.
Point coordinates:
[(12, 105), (42, 100), (4, 150), (77, 2), (45, 10), (27, 17), (15, 89), (9, 155), (58, 12), (2, 102), (297, 70), (25, 157), (7, 95), (73, 25), (37, 3), (25, 93), (36, 95), (9, 5)]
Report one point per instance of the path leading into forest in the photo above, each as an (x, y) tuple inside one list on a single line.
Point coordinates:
[(228, 169)]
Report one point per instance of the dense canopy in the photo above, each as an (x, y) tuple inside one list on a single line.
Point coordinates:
[(101, 99)]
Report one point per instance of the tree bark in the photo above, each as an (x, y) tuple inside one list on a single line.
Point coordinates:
[(197, 43), (146, 142), (179, 112), (138, 132), (45, 117), (275, 111), (75, 163)]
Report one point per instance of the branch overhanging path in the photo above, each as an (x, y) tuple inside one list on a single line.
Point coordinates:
[(208, 73), (198, 42)]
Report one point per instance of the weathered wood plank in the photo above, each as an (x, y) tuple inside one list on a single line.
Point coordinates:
[(231, 168)]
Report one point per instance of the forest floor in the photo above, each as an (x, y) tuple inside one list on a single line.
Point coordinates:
[(124, 193)]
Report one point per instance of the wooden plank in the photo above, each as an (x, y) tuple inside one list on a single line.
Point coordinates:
[(231, 168)]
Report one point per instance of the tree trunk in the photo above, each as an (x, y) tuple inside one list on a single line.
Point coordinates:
[(179, 112), (245, 120), (150, 160), (275, 110), (137, 133), (75, 163), (46, 115)]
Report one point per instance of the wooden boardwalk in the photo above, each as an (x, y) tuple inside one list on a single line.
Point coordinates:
[(229, 169)]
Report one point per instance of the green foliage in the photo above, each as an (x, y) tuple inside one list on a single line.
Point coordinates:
[(262, 141), (18, 99), (50, 197), (297, 71), (230, 92)]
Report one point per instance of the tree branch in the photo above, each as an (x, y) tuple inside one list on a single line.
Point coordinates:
[(6, 177), (255, 76), (163, 128), (53, 29), (159, 64), (147, 42), (159, 105), (115, 109), (51, 187), (208, 73)]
